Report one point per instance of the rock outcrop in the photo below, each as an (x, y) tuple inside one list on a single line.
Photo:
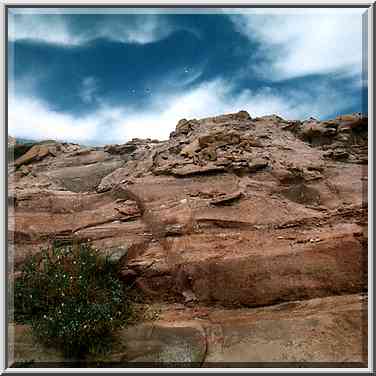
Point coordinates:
[(314, 333), (231, 212)]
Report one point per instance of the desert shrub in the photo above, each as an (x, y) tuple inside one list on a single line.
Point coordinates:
[(72, 298)]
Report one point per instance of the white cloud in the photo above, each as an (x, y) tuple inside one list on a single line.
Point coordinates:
[(301, 42), (31, 118), (55, 29), (88, 89), (139, 29), (50, 28)]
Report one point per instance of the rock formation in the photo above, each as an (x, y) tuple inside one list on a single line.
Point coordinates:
[(233, 227)]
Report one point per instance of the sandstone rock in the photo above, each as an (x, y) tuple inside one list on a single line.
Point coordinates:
[(17, 150), (28, 352), (121, 149), (301, 333), (255, 166), (190, 149), (179, 343), (208, 154), (226, 198), (242, 115), (129, 209), (196, 170), (164, 212), (337, 155), (110, 180), (184, 127), (36, 153), (83, 178), (219, 138), (115, 255), (174, 221), (25, 170), (233, 272)]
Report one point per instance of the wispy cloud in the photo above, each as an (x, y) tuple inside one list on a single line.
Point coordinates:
[(88, 89), (33, 118), (296, 42), (49, 28), (59, 29)]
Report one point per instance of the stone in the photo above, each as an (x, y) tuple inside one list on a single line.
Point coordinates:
[(183, 127), (85, 178), (225, 199), (255, 166), (121, 149), (220, 215), (190, 149), (115, 255), (179, 343), (36, 153), (219, 138), (297, 333), (196, 170), (28, 352)]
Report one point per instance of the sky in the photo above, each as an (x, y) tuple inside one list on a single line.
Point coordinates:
[(101, 76)]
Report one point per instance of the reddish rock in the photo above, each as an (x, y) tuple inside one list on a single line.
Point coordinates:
[(230, 211)]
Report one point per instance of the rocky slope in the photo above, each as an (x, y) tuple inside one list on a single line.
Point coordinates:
[(230, 213)]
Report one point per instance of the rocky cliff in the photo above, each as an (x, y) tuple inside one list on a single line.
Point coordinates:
[(231, 215)]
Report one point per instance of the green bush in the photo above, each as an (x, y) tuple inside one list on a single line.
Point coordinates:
[(72, 298)]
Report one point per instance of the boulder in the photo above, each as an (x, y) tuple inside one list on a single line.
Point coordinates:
[(36, 153), (121, 149)]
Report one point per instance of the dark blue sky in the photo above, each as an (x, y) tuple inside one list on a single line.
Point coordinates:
[(104, 78)]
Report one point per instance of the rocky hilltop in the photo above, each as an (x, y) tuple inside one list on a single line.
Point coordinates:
[(247, 236)]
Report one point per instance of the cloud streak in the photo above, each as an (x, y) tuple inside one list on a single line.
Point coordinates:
[(88, 89), (58, 29), (32, 118), (296, 43)]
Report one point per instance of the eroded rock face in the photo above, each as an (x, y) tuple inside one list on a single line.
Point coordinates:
[(325, 330), (231, 210), (226, 177)]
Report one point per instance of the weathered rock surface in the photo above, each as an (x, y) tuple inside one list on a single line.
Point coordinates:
[(329, 331), (231, 210)]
